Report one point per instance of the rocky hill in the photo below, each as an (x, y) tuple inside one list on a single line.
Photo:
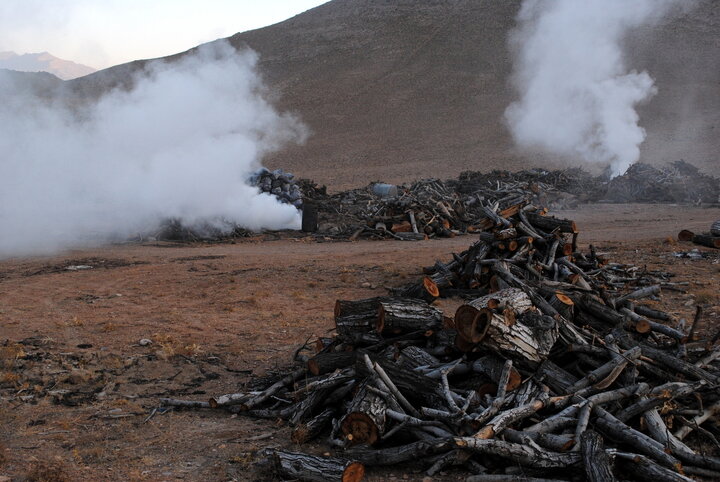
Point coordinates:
[(43, 62), (403, 89)]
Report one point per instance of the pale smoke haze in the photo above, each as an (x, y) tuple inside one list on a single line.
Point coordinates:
[(180, 144), (577, 97)]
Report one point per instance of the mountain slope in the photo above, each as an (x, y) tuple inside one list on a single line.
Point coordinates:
[(401, 89), (43, 62)]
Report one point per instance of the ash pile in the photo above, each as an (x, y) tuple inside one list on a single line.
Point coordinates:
[(280, 184), (556, 367)]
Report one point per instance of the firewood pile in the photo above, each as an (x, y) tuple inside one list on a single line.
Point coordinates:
[(425, 209), (435, 208), (710, 239), (556, 367), (279, 183), (678, 182), (575, 181)]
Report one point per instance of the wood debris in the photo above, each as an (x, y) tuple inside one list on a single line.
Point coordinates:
[(554, 368)]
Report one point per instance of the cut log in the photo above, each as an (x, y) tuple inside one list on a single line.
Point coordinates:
[(355, 318), (397, 455), (652, 313), (311, 468), (323, 363), (404, 316), (617, 430), (509, 417), (492, 367), (599, 310), (597, 463), (685, 235), (556, 443), (563, 304), (412, 357), (311, 429), (639, 467), (707, 414), (707, 240), (365, 420), (555, 377), (413, 385), (525, 455), (550, 224), (473, 326)]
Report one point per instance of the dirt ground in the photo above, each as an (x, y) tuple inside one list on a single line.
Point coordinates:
[(77, 387)]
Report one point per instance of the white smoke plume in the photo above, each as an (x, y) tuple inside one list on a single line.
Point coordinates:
[(577, 96), (180, 144)]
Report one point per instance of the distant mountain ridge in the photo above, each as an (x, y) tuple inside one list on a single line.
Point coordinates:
[(44, 62)]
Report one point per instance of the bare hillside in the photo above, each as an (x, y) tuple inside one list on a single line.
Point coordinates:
[(401, 89)]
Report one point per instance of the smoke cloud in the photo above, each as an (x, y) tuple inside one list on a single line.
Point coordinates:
[(180, 144), (577, 97)]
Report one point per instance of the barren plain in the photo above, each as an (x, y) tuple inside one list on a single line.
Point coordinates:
[(77, 387)]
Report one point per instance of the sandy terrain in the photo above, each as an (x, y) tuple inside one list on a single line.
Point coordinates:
[(76, 387)]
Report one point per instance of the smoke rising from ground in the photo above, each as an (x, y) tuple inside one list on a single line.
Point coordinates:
[(180, 144), (577, 96)]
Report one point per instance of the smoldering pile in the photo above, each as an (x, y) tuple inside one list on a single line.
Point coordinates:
[(556, 368), (678, 182), (280, 184)]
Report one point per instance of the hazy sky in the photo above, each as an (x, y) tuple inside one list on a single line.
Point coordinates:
[(101, 33)]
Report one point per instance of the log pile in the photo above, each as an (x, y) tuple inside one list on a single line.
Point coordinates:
[(555, 367), (678, 182), (280, 184), (435, 208)]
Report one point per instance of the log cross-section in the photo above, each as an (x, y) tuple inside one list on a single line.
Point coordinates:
[(365, 419)]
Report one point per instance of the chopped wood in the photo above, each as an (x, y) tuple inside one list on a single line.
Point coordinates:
[(549, 366), (311, 468)]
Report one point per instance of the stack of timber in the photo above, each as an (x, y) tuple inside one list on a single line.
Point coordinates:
[(555, 368)]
